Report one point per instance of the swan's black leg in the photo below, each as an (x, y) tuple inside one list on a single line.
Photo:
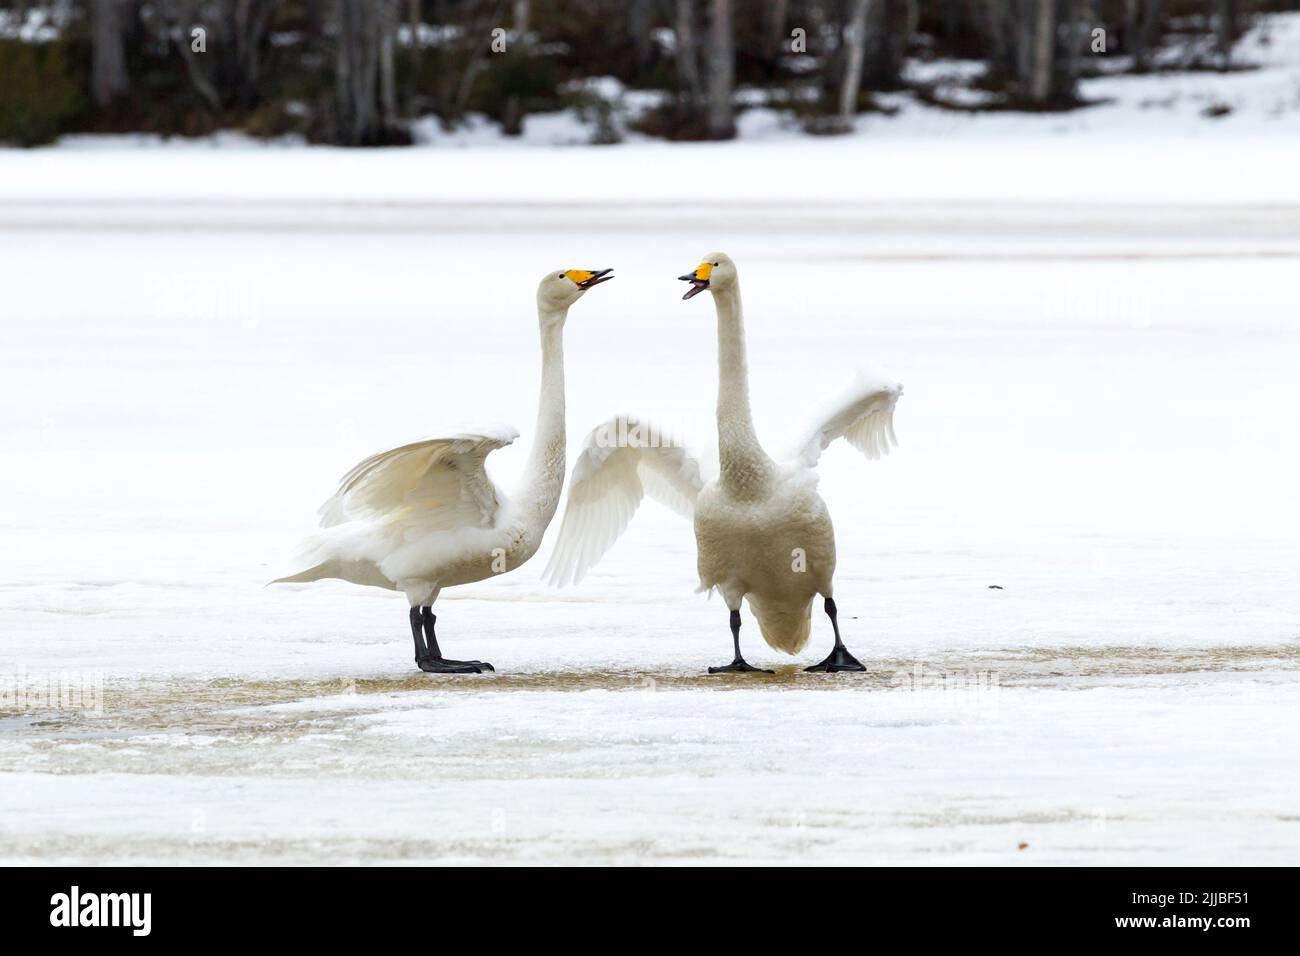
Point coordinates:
[(417, 632), (427, 655), (433, 661), (839, 659), (739, 665)]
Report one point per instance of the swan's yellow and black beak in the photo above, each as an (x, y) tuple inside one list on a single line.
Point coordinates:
[(700, 278), (584, 278)]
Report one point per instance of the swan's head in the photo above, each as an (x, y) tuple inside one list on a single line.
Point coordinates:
[(715, 271), (563, 287)]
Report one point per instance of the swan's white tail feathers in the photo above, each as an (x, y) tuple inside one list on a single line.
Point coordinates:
[(317, 573), (357, 572), (785, 629), (621, 462)]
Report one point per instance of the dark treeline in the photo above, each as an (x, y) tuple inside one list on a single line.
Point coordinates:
[(356, 72)]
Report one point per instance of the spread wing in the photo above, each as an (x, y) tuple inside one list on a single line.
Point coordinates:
[(438, 484), (621, 462), (863, 414)]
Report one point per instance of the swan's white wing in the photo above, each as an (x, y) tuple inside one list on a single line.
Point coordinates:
[(438, 484), (623, 460), (863, 414)]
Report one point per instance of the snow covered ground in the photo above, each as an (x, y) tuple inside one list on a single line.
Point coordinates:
[(1100, 419)]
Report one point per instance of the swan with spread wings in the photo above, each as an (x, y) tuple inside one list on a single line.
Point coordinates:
[(762, 531), (426, 516)]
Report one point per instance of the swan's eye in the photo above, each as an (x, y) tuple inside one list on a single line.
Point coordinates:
[(560, 276), (715, 263)]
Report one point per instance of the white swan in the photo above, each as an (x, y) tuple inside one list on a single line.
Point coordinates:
[(426, 516), (761, 529)]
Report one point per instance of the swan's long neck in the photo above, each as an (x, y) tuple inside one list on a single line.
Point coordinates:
[(544, 474), (745, 467)]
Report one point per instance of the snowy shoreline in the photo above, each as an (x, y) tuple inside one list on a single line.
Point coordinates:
[(1179, 170)]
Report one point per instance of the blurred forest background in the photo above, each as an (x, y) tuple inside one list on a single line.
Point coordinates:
[(361, 72)]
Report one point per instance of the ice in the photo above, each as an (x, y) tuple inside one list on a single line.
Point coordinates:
[(1099, 352)]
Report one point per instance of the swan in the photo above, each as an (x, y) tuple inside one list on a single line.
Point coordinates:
[(426, 516), (761, 530)]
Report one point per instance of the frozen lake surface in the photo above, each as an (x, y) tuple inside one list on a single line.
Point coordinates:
[(1099, 418)]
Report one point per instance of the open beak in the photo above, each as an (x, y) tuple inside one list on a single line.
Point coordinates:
[(699, 279), (584, 278)]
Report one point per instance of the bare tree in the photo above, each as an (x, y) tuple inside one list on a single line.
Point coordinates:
[(1078, 15), (249, 22), (186, 17), (413, 21), (688, 64), (1042, 59), (387, 26), (1141, 30), (356, 72), (512, 123), (108, 78), (1226, 15), (777, 10), (722, 71), (640, 16), (1033, 44), (480, 16), (891, 24), (855, 38), (999, 30)]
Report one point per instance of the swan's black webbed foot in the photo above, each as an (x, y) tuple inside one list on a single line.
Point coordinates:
[(739, 665), (481, 665), (437, 665), (839, 659), (428, 657)]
